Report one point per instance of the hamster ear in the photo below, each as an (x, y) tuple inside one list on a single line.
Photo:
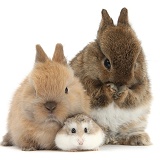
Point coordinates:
[(58, 55), (40, 54), (123, 17), (106, 19)]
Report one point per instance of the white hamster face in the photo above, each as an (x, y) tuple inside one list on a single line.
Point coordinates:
[(80, 136), (78, 133)]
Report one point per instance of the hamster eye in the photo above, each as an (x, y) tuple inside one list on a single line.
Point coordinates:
[(73, 130), (107, 63), (66, 90), (85, 130)]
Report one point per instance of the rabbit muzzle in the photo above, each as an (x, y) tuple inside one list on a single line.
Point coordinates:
[(50, 105)]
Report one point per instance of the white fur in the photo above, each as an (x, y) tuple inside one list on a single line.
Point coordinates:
[(63, 142), (113, 117), (69, 142), (94, 141)]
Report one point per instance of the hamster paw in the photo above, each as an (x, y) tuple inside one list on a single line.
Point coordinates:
[(121, 94), (95, 149), (73, 150)]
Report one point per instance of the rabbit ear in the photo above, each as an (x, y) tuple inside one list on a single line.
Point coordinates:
[(40, 55), (59, 55), (123, 17), (106, 19)]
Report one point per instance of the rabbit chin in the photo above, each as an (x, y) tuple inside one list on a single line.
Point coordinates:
[(47, 119), (51, 119)]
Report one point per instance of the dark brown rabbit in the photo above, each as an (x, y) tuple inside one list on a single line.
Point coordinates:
[(114, 73)]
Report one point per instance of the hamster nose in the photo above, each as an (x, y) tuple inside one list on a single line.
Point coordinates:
[(50, 105), (80, 141)]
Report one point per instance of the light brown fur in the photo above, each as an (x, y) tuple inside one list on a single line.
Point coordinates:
[(42, 103), (124, 85)]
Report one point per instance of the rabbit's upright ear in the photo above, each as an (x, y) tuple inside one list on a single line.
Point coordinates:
[(106, 19), (123, 17), (40, 55), (58, 55)]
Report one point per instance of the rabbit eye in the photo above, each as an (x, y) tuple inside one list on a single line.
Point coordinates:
[(107, 63), (85, 130), (73, 130), (66, 90)]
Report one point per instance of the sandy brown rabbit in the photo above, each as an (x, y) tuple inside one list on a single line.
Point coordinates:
[(48, 95), (114, 73)]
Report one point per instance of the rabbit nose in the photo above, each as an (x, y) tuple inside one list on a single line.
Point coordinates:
[(51, 105)]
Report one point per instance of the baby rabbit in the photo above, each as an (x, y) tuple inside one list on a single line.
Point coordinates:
[(48, 95), (80, 133), (114, 73)]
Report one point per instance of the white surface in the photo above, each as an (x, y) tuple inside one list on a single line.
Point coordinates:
[(23, 24)]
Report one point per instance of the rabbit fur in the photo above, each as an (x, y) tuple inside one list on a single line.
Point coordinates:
[(48, 95), (113, 70)]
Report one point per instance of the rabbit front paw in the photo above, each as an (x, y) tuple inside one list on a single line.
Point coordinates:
[(7, 140), (141, 139), (28, 149), (111, 89), (121, 94)]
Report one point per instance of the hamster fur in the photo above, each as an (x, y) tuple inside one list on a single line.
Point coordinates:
[(113, 70), (48, 95), (80, 133)]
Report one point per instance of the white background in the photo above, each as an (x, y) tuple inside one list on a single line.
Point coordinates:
[(25, 23)]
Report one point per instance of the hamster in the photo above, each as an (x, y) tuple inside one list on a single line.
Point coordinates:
[(113, 71), (80, 133), (48, 95)]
